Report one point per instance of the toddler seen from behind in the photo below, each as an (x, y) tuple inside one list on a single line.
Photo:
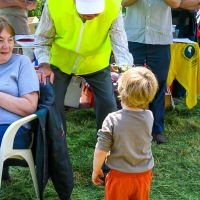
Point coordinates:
[(125, 139)]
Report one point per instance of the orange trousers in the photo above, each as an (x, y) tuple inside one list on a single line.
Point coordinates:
[(128, 186)]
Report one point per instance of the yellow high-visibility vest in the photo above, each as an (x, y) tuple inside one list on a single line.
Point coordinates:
[(81, 48)]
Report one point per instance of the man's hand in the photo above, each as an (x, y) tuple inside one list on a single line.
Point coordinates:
[(29, 5), (96, 177), (44, 72)]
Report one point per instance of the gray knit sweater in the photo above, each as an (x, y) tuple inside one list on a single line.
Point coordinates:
[(126, 135)]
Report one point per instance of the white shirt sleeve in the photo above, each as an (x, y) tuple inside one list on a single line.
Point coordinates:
[(44, 37), (119, 43)]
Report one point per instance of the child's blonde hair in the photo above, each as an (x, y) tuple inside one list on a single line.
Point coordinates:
[(137, 87)]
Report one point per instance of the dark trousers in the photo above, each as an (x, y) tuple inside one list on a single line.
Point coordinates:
[(22, 139), (178, 90), (157, 57), (101, 84)]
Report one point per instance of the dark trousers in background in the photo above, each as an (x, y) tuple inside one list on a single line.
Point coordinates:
[(101, 84), (178, 90), (104, 99), (157, 58), (185, 31)]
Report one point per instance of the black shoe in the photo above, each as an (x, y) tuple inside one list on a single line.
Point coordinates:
[(5, 174), (176, 101), (159, 138)]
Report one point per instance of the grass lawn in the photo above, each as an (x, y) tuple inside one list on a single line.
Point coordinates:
[(176, 175)]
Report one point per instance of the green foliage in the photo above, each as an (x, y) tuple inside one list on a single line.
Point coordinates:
[(177, 163), (38, 11), (123, 10)]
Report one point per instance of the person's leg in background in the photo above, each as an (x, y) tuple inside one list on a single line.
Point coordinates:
[(178, 90), (104, 99), (158, 60), (138, 50), (61, 82), (187, 25), (101, 84)]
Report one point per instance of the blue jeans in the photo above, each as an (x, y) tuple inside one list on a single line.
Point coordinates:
[(22, 138), (101, 84), (157, 58)]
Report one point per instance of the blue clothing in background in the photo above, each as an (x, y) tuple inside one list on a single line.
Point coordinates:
[(22, 139), (155, 56)]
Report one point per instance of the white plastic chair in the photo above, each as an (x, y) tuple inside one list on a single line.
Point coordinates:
[(7, 151)]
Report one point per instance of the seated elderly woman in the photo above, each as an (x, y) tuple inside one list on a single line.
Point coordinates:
[(19, 88)]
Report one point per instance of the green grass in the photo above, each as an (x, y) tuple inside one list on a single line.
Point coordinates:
[(176, 175)]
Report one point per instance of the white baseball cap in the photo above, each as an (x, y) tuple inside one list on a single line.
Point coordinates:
[(90, 6)]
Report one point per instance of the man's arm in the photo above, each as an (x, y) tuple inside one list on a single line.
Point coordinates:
[(126, 3), (192, 8), (173, 3), (190, 4), (119, 42), (7, 3), (44, 37), (29, 5)]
